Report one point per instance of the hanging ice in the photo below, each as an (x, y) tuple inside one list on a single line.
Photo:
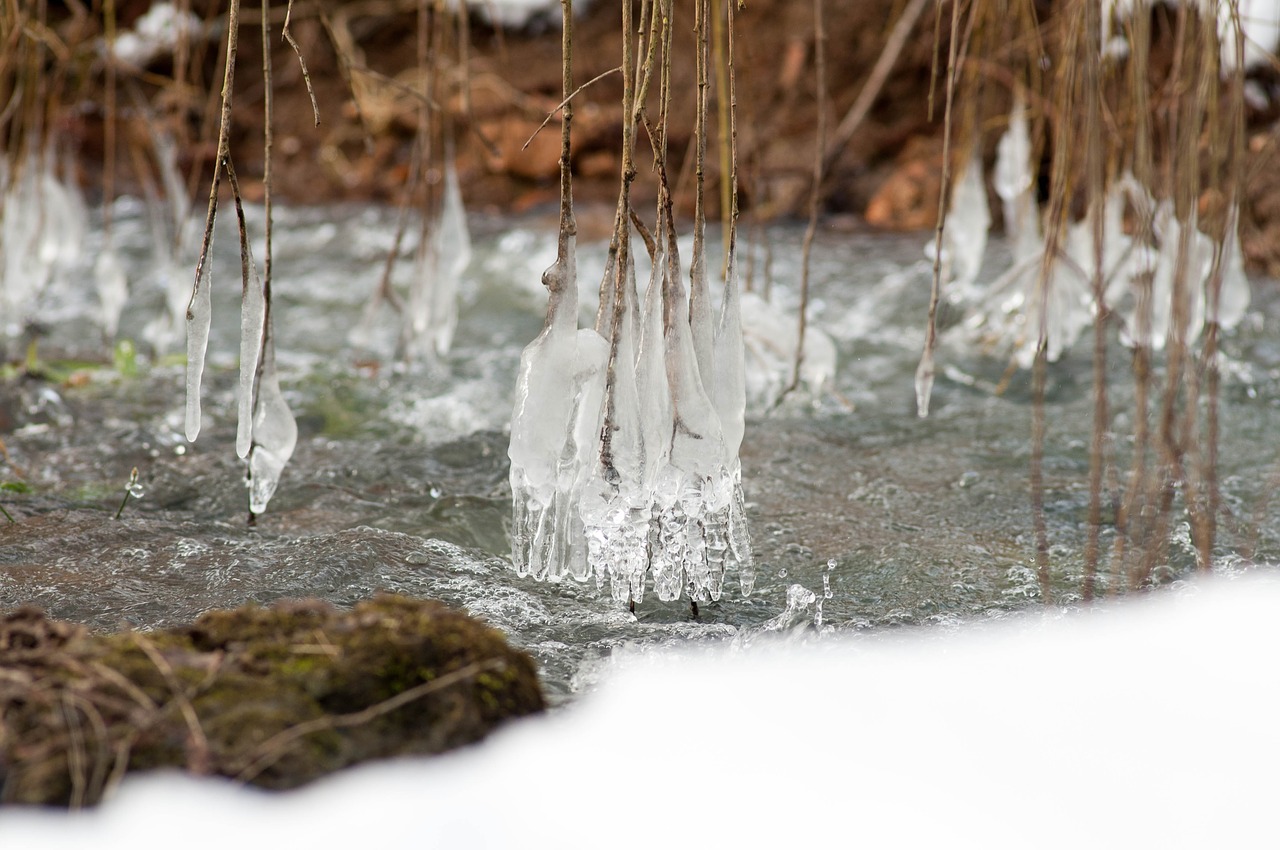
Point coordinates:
[(694, 492), (615, 504), (556, 414), (1233, 296), (442, 257), (199, 317), (769, 338), (730, 399), (253, 316), (1259, 22), (964, 234), (42, 229), (275, 433), (113, 289), (1014, 182), (620, 464), (173, 232)]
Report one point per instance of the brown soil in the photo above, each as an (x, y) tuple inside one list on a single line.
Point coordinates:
[(889, 175), (362, 148)]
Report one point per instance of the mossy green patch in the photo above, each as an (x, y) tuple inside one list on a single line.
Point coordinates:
[(274, 696)]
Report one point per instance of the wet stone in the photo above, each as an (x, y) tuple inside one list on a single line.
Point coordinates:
[(273, 697)]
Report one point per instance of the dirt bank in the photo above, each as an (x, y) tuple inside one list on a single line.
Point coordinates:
[(362, 58)]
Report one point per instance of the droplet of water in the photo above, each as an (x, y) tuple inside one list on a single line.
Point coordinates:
[(782, 573), (831, 563), (435, 492), (826, 587), (417, 558)]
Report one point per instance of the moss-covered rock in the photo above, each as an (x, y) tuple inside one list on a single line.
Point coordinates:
[(272, 696)]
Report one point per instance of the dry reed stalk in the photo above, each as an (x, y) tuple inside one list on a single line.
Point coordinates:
[(925, 371), (1096, 189), (815, 194)]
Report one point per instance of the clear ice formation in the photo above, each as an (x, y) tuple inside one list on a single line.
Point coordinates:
[(428, 309), (113, 288), (964, 234), (1259, 22), (253, 317), (442, 258), (173, 233), (1035, 301), (274, 433), (769, 338), (199, 319), (624, 459), (559, 390), (43, 223)]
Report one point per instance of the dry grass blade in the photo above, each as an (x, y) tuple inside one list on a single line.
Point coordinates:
[(275, 747), (198, 753)]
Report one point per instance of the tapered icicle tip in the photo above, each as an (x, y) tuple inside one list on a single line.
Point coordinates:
[(924, 384), (193, 421)]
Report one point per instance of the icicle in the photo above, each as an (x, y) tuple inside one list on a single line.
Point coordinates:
[(729, 389), (964, 236), (275, 433), (441, 259), (690, 500), (1233, 296), (43, 223), (769, 340), (615, 506), (113, 289), (541, 421), (253, 315), (924, 384), (453, 255), (199, 316), (700, 318), (1014, 182), (651, 375), (172, 232), (591, 363)]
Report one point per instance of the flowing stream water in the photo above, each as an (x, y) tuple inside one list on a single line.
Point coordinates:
[(863, 517)]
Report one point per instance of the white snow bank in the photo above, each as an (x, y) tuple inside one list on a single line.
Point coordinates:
[(1146, 724)]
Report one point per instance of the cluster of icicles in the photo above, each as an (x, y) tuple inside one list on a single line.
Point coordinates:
[(44, 245), (624, 458), (427, 308), (43, 223), (1141, 274)]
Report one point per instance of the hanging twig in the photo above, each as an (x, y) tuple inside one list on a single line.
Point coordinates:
[(561, 105), (302, 63), (924, 372), (196, 345), (852, 121), (815, 195), (1090, 58)]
